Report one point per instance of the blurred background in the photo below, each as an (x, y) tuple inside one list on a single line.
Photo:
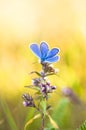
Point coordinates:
[(62, 24)]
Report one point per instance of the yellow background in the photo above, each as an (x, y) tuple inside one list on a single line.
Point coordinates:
[(61, 23)]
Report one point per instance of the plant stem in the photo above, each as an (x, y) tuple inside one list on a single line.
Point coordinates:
[(43, 123)]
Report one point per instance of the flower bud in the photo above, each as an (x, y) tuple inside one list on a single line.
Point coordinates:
[(36, 82), (28, 100)]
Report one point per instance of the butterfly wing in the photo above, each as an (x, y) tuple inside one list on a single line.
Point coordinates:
[(44, 49), (52, 59), (36, 50), (43, 52), (52, 52)]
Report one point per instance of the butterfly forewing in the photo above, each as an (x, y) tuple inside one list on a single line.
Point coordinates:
[(44, 49), (36, 50)]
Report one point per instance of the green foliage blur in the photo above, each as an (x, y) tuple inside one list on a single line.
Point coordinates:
[(61, 24)]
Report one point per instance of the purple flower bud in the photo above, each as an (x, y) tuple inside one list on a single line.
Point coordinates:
[(53, 87), (36, 82), (28, 100), (25, 103), (48, 83), (27, 97), (47, 88), (67, 91), (43, 88)]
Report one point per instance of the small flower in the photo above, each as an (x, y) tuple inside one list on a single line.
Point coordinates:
[(43, 52), (47, 88), (53, 87), (28, 100), (26, 104), (36, 82), (68, 92)]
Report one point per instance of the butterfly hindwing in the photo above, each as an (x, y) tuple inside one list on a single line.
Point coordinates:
[(52, 59), (52, 52)]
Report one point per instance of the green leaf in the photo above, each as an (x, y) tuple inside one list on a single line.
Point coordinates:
[(31, 120), (43, 105), (36, 73), (8, 114), (33, 87), (82, 127), (50, 129), (52, 122), (47, 129), (60, 112)]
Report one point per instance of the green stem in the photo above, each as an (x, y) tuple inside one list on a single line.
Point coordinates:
[(43, 122)]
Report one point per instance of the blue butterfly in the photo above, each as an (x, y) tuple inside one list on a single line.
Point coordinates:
[(43, 52)]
